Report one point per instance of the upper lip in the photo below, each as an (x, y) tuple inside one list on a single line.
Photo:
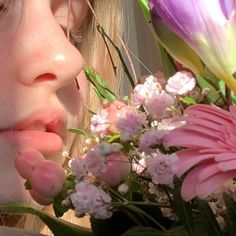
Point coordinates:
[(47, 119)]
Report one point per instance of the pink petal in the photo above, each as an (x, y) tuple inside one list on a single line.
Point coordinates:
[(208, 186), (199, 129), (185, 164), (183, 138), (208, 170), (202, 122), (188, 190), (187, 153), (213, 151), (216, 111), (225, 156), (228, 165)]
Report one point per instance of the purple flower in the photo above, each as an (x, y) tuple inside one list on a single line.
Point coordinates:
[(208, 27), (162, 167), (89, 199)]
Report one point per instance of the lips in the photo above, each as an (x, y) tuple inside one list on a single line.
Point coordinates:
[(43, 130)]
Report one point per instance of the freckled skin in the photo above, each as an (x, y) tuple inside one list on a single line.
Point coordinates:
[(38, 65)]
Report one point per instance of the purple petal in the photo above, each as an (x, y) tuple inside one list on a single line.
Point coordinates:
[(227, 7)]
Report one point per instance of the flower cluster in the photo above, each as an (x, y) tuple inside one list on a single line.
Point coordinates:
[(127, 144), (164, 157)]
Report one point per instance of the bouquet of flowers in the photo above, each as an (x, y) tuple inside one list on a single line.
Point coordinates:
[(160, 161)]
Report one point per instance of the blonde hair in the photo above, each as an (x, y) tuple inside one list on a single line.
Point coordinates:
[(96, 56)]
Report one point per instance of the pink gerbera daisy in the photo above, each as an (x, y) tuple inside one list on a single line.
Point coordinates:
[(209, 139)]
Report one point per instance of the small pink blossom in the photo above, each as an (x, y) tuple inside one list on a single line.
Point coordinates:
[(94, 161), (143, 91), (162, 167), (89, 199), (157, 104), (150, 140), (181, 83), (115, 110), (131, 123), (77, 166), (100, 122)]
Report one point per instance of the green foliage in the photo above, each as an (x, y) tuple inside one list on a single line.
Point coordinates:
[(207, 220), (80, 132), (231, 210), (58, 208), (99, 85), (148, 231), (188, 100), (183, 209), (145, 9), (57, 226)]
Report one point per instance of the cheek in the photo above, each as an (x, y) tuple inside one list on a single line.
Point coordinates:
[(75, 95)]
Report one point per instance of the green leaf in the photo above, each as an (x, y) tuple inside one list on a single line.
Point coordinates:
[(213, 96), (167, 61), (113, 138), (99, 85), (145, 9), (57, 226), (207, 219), (145, 214), (231, 210), (188, 100), (115, 226), (134, 185), (80, 132), (58, 208), (148, 231), (183, 209)]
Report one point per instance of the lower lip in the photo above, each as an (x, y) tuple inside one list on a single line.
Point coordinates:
[(42, 141)]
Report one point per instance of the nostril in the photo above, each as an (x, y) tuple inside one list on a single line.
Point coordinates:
[(45, 77)]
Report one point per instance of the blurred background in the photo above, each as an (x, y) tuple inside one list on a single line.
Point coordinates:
[(140, 39)]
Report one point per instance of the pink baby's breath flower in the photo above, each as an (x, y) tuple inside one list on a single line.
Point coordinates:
[(209, 139), (94, 161), (89, 199), (100, 122), (142, 91), (162, 167), (181, 83), (157, 104), (131, 123), (150, 140), (77, 166)]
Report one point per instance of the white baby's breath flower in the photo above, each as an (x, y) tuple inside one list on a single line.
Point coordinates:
[(99, 122), (162, 167), (123, 188), (181, 83)]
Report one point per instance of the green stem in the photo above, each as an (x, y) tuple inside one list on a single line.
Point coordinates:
[(126, 70), (140, 203)]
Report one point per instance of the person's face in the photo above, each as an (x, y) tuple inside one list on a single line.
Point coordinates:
[(38, 93)]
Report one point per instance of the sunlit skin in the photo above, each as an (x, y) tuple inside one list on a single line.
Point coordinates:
[(38, 93)]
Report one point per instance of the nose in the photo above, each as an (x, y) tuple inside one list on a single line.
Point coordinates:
[(41, 51)]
